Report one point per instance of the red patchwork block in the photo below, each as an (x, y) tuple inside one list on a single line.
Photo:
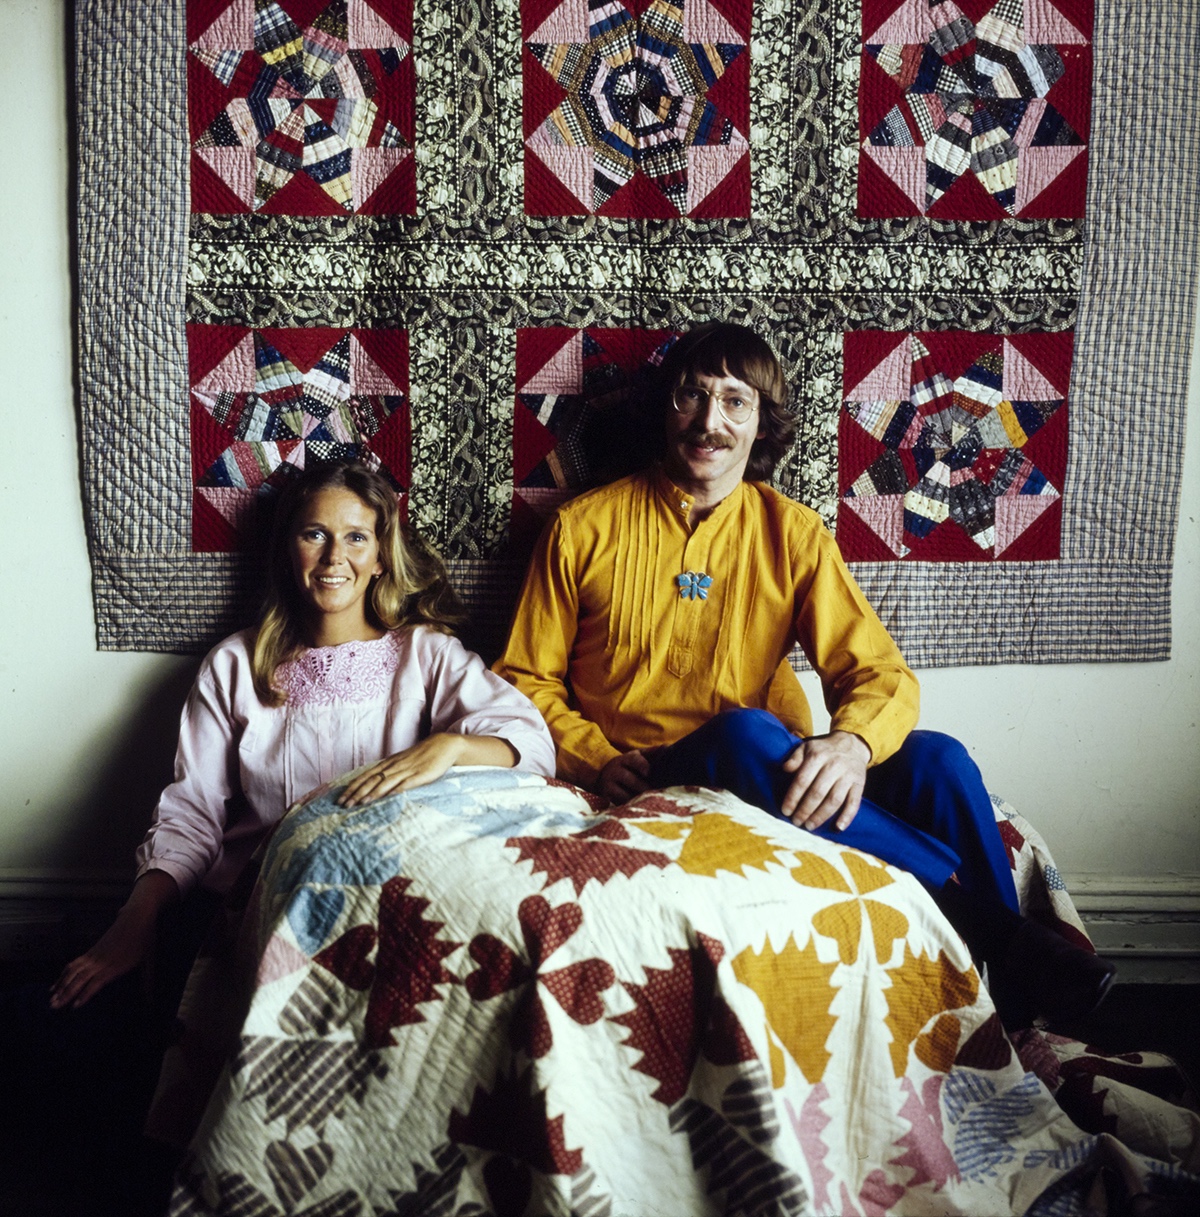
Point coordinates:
[(265, 402), (569, 382), (638, 112), (301, 107), (952, 447), (974, 111)]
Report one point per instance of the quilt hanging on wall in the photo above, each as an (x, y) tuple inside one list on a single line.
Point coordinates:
[(450, 239)]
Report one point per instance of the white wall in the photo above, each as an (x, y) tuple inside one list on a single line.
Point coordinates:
[(1105, 759), (83, 734)]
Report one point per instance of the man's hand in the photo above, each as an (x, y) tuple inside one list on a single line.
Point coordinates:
[(830, 773), (624, 777)]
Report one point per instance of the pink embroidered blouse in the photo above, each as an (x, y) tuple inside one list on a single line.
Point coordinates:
[(240, 764)]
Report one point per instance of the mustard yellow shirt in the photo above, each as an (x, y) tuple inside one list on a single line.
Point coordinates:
[(615, 658)]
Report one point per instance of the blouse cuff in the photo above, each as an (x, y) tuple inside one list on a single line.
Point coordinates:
[(185, 877)]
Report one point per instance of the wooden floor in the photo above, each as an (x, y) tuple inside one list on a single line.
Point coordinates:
[(73, 1093)]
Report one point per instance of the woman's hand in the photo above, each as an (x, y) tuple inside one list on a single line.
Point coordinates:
[(424, 763), (125, 944)]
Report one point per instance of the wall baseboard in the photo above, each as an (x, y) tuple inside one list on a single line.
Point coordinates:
[(50, 915), (1149, 927)]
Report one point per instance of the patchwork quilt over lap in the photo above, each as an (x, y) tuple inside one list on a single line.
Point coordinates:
[(487, 997), (451, 239)]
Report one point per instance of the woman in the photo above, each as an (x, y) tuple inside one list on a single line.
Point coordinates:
[(352, 661)]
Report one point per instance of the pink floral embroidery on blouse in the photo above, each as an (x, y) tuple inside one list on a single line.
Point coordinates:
[(350, 672)]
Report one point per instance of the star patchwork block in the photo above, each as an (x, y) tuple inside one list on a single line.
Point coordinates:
[(637, 109), (298, 107), (976, 110), (571, 384), (952, 447), (264, 402)]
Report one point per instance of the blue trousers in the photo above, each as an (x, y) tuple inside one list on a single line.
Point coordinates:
[(924, 809)]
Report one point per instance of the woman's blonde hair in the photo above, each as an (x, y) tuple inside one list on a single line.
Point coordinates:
[(413, 589)]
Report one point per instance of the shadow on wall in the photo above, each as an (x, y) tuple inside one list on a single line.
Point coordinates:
[(127, 770)]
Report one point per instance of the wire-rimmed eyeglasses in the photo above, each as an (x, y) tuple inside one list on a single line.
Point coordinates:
[(734, 407)]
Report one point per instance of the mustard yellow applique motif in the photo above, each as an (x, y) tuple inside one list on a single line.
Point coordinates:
[(843, 922), (714, 842), (794, 988)]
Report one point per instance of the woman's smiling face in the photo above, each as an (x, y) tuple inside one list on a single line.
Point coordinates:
[(335, 555)]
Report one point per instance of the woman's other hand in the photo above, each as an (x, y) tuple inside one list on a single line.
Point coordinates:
[(424, 763), (125, 944)]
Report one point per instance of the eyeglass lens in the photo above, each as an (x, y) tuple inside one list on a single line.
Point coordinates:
[(689, 399)]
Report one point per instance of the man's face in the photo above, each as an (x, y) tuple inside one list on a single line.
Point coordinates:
[(706, 453)]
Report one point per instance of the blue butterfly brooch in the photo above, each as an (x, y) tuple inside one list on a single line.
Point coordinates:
[(693, 585)]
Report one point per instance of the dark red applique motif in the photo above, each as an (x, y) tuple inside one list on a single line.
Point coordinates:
[(594, 801), (653, 805), (407, 968), (576, 987), (1014, 842), (511, 1120), (590, 854), (675, 1017), (987, 1048)]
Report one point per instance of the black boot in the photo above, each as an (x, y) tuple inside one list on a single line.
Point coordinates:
[(1041, 973), (1032, 971)]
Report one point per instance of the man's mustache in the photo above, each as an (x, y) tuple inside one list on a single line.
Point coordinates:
[(709, 439)]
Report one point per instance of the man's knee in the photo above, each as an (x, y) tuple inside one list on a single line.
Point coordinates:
[(746, 730), (934, 747), (933, 751)]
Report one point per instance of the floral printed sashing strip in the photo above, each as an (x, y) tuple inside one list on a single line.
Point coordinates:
[(952, 447), (301, 109), (264, 401)]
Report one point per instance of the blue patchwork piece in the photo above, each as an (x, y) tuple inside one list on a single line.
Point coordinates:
[(987, 1123), (1066, 1158), (1054, 880), (312, 915), (350, 856), (345, 858), (1066, 1198)]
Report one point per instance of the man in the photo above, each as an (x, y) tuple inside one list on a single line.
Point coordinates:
[(653, 631)]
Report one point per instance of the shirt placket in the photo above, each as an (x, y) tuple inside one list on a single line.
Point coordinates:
[(689, 605)]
